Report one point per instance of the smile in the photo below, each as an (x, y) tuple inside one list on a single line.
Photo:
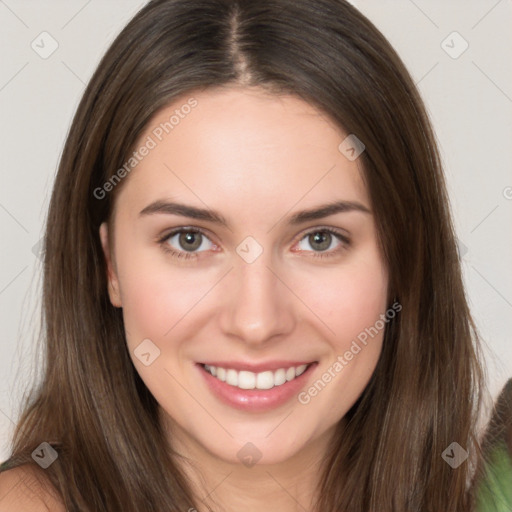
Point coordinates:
[(250, 380)]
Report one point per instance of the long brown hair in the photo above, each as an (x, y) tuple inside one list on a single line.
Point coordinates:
[(426, 390)]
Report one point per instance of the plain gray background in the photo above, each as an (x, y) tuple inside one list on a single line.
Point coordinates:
[(468, 94)]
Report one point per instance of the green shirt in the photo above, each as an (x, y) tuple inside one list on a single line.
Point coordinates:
[(494, 493)]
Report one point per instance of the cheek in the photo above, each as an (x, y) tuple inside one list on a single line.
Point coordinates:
[(348, 298), (155, 296), (350, 302)]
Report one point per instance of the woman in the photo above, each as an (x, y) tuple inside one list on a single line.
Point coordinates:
[(252, 291)]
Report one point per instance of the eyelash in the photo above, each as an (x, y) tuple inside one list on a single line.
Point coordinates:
[(345, 242)]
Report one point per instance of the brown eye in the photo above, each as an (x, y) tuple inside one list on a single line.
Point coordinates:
[(187, 241), (323, 242), (320, 240), (190, 240)]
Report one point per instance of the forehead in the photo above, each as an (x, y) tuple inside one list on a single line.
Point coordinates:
[(243, 145)]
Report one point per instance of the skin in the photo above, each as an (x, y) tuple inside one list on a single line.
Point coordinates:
[(257, 159)]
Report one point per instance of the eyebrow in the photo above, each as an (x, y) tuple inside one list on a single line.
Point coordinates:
[(172, 208)]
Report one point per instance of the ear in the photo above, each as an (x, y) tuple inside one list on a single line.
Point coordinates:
[(113, 282)]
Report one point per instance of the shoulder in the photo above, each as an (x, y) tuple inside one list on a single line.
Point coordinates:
[(23, 489)]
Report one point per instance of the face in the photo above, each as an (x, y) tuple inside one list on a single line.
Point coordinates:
[(222, 252)]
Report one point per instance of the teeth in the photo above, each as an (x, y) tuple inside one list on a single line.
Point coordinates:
[(265, 380), (246, 380), (300, 370), (279, 377), (232, 377), (250, 380), (221, 374)]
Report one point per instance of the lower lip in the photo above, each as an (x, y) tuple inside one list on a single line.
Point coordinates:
[(256, 400)]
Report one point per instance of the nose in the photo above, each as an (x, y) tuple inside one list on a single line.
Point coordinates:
[(259, 306)]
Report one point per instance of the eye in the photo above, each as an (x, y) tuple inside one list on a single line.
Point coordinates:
[(186, 242), (324, 242)]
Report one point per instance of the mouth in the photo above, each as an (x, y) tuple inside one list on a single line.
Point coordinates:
[(256, 391), (246, 379)]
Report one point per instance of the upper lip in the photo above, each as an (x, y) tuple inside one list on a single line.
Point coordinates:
[(255, 367)]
